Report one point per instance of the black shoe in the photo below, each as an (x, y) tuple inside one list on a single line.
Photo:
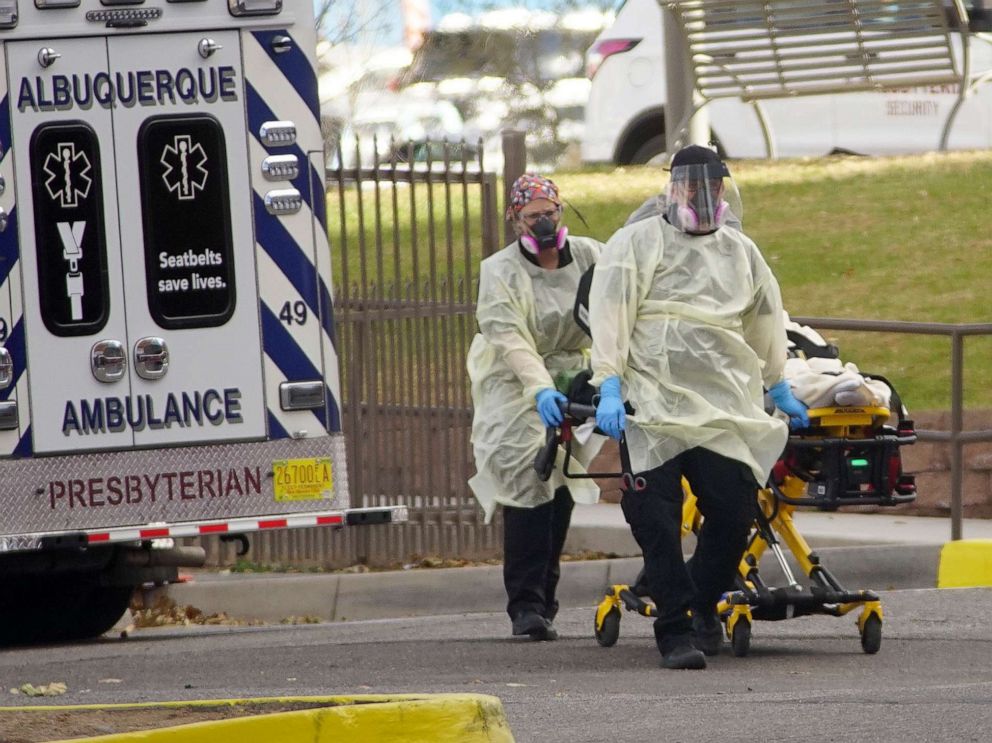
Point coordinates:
[(683, 656), (533, 624), (707, 632)]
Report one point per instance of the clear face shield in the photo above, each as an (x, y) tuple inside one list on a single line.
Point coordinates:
[(700, 198)]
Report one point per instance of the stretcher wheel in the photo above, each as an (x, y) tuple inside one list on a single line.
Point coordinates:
[(871, 635), (609, 633), (740, 638)]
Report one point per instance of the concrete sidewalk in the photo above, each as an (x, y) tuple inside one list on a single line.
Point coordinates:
[(877, 551), (602, 528)]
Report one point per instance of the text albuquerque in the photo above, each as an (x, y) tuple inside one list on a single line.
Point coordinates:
[(132, 88)]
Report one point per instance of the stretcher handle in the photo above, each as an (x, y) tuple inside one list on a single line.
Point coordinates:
[(544, 462), (577, 410)]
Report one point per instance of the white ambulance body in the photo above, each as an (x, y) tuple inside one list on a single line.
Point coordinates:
[(168, 365)]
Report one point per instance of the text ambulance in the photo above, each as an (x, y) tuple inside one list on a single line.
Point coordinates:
[(168, 365)]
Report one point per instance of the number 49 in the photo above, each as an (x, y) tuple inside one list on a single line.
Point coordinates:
[(294, 312)]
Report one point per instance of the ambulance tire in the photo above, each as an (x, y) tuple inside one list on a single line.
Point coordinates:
[(58, 609), (31, 614), (99, 611)]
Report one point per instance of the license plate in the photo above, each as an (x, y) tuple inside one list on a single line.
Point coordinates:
[(303, 479)]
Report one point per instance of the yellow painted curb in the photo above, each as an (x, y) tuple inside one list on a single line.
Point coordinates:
[(966, 563), (399, 718)]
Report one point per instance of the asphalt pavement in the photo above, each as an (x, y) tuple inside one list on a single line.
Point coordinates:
[(882, 551)]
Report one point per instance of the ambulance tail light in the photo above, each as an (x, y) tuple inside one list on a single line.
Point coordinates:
[(8, 415), (277, 133), (307, 395), (254, 7), (8, 13), (283, 201)]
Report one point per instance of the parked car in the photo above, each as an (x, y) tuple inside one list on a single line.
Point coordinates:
[(625, 115), (511, 69), (397, 128)]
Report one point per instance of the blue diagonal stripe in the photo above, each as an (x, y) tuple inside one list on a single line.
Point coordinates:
[(283, 350), (295, 66), (8, 246), (327, 313), (4, 126), (320, 212), (284, 251), (276, 431), (333, 413), (23, 448), (287, 356), (319, 202)]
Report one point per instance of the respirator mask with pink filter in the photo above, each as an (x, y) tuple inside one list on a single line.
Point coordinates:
[(544, 234), (701, 193)]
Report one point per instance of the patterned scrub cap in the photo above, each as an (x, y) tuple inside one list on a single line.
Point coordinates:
[(529, 187)]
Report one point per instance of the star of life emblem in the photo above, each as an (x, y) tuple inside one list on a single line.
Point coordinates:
[(68, 180), (184, 162)]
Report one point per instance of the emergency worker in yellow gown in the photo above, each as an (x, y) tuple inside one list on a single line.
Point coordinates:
[(687, 326), (527, 351)]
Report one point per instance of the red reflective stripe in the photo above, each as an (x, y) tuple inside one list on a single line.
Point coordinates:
[(323, 520), (152, 533), (104, 537), (212, 528), (272, 524)]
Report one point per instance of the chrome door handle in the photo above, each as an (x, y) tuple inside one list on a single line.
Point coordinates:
[(151, 357), (108, 360)]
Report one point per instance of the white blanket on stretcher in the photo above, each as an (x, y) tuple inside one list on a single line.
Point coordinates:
[(823, 383)]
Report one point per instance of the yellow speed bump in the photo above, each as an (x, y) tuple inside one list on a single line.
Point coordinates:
[(403, 718), (966, 563)]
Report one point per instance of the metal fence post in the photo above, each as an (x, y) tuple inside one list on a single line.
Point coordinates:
[(514, 164), (957, 425)]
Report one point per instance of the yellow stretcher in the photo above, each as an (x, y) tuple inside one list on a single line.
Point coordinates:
[(848, 456)]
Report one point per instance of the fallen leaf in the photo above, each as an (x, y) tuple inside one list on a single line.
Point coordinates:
[(53, 689)]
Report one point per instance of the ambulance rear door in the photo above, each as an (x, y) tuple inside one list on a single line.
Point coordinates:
[(186, 227), (70, 258)]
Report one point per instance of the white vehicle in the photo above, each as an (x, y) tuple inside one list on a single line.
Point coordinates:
[(168, 367), (625, 116)]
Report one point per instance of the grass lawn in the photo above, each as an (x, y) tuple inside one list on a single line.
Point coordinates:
[(903, 238)]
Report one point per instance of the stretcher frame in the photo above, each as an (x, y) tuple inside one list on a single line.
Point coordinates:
[(848, 429)]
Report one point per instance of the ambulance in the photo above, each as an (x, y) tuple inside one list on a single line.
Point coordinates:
[(168, 364)]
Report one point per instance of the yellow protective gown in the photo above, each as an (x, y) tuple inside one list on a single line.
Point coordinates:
[(693, 326), (528, 341)]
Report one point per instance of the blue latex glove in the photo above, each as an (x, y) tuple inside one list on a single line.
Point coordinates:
[(547, 407), (785, 401), (610, 415)]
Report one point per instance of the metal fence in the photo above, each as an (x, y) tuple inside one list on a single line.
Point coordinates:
[(957, 437), (408, 231)]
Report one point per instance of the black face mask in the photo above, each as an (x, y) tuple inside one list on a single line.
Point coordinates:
[(545, 232)]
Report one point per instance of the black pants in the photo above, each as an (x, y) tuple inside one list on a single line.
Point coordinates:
[(532, 542), (726, 492)]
